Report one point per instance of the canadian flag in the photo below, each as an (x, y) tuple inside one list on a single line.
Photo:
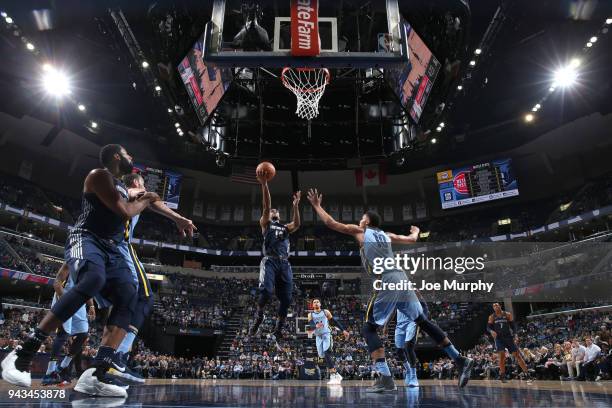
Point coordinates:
[(370, 175)]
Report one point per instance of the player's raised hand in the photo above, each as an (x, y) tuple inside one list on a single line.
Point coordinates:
[(296, 198), (261, 176), (186, 227), (315, 197), (346, 335), (414, 229)]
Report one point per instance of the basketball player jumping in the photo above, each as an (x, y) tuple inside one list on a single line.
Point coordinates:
[(319, 321), (503, 328), (97, 267), (275, 274), (374, 244)]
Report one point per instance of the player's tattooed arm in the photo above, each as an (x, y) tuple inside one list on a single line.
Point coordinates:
[(316, 199), (266, 204), (100, 182), (60, 278), (405, 239), (295, 222)]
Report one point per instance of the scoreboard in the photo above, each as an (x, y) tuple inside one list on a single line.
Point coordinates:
[(167, 184), (476, 184)]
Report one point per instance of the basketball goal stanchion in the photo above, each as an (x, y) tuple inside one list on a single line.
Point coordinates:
[(308, 85)]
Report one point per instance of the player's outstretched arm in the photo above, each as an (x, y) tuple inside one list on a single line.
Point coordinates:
[(316, 199), (295, 222), (100, 182), (184, 225), (266, 202), (405, 239)]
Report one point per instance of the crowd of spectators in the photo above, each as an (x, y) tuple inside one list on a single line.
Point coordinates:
[(561, 347), (28, 259)]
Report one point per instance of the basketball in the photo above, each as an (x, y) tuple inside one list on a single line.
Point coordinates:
[(267, 168)]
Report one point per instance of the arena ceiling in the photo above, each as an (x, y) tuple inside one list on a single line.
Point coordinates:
[(524, 41)]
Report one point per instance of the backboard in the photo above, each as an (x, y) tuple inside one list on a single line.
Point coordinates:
[(264, 33)]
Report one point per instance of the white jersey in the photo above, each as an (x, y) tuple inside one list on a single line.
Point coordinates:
[(320, 317)]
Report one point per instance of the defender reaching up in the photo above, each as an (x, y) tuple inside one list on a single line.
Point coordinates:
[(375, 243)]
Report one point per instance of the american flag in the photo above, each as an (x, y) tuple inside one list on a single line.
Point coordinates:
[(243, 174)]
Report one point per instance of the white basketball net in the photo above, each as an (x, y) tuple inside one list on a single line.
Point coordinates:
[(308, 85)]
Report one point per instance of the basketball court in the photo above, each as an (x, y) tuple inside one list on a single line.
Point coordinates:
[(249, 393)]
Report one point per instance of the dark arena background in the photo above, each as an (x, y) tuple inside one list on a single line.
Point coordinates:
[(468, 143)]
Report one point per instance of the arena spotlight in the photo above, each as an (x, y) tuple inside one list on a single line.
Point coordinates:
[(3, 14), (169, 110), (434, 141), (565, 76), (575, 62), (82, 107), (459, 87), (8, 20), (55, 82), (442, 124), (439, 129), (30, 46), (94, 125), (472, 63), (529, 118), (478, 51), (177, 125), (608, 21), (157, 88), (145, 64), (593, 40)]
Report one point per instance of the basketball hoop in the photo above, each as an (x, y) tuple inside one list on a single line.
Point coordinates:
[(308, 85)]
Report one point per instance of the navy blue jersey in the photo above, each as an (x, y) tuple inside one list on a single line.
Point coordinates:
[(501, 325), (100, 220), (276, 240)]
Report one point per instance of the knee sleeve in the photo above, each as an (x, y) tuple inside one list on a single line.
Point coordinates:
[(77, 344), (124, 298), (431, 329), (90, 281), (329, 361), (69, 303), (410, 354), (371, 337), (58, 344)]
